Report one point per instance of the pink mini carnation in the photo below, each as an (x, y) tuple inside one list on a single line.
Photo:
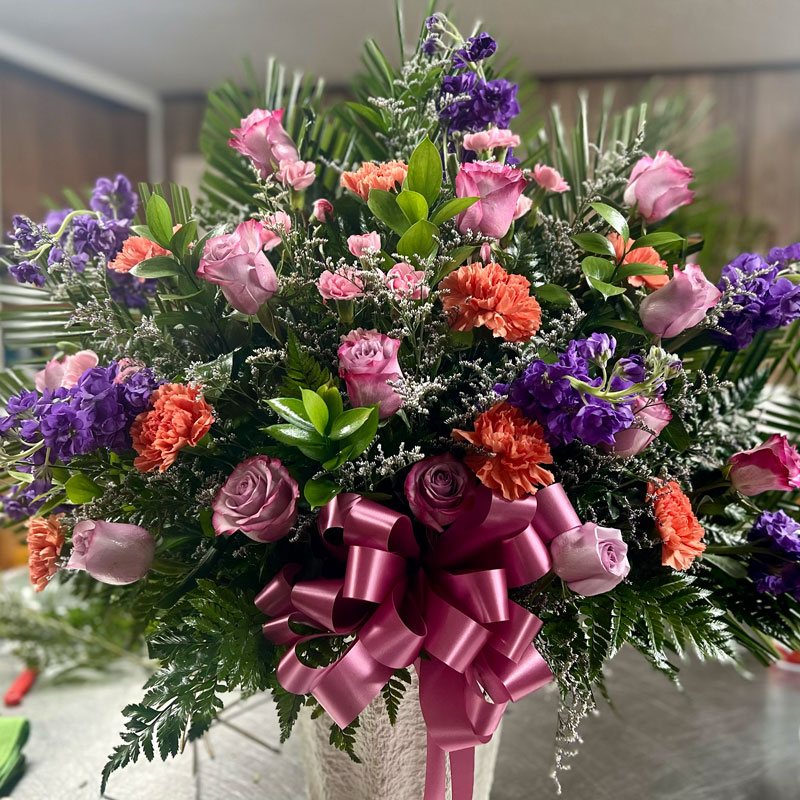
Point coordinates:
[(344, 284), (297, 174), (358, 245), (549, 179), (66, 371), (275, 227), (406, 281), (487, 140)]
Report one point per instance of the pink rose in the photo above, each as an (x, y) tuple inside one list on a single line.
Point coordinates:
[(237, 263), (591, 559), (772, 466), (680, 304), (488, 140), (650, 417), (259, 499), (322, 209), (264, 141), (657, 186), (297, 174), (405, 281), (344, 284), (439, 489), (65, 372), (367, 360), (498, 187), (277, 226), (549, 179), (359, 245), (111, 552), (524, 205)]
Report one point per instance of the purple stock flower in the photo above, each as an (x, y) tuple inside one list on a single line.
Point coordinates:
[(430, 46), (632, 369), (481, 102), (130, 291), (97, 237), (25, 232), (778, 573), (432, 21), (477, 48), (27, 272), (545, 393), (783, 256), (114, 198), (766, 300), (54, 219), (496, 101)]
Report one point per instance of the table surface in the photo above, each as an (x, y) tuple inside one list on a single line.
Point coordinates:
[(722, 738)]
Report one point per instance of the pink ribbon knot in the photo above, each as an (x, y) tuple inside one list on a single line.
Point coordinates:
[(446, 611)]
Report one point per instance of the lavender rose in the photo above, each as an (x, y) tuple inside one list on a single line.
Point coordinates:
[(657, 186), (499, 188), (237, 263), (259, 499), (591, 559), (111, 552), (367, 360), (439, 489)]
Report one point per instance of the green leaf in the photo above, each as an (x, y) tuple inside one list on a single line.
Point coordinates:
[(413, 205), (451, 208), (181, 239), (658, 239), (622, 325), (359, 441), (384, 206), (418, 240), (349, 422), (594, 243), (316, 409), (606, 289), (457, 258), (552, 293), (159, 219), (292, 435), (81, 490), (676, 435), (613, 218), (626, 270), (143, 231), (425, 171), (320, 491), (156, 267), (600, 269), (333, 400), (292, 410), (371, 115)]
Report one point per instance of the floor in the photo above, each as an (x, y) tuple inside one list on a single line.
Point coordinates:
[(723, 738)]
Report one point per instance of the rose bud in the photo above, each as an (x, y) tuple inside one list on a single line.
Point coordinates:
[(680, 304), (264, 141), (650, 417), (439, 489), (111, 552), (590, 559), (499, 187), (322, 210), (259, 499), (236, 262), (367, 360), (657, 186), (772, 466)]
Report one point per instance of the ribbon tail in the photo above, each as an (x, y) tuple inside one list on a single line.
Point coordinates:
[(435, 780), (462, 773)]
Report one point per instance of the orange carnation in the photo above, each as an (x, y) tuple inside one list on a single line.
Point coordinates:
[(135, 249), (515, 449), (370, 175), (180, 416), (488, 295), (677, 525), (45, 540), (639, 255)]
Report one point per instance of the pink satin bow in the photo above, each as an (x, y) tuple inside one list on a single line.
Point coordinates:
[(452, 602)]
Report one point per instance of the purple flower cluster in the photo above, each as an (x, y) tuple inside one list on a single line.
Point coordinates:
[(27, 272), (114, 198), (767, 301), (470, 103), (95, 413), (25, 232), (544, 393), (778, 574), (783, 256), (476, 49), (130, 291)]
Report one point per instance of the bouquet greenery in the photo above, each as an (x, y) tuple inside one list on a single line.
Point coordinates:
[(404, 388)]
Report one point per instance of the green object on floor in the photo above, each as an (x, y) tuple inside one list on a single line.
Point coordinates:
[(13, 735)]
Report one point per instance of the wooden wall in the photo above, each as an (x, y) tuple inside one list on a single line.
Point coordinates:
[(53, 136)]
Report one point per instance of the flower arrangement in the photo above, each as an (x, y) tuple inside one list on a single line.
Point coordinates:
[(407, 388)]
